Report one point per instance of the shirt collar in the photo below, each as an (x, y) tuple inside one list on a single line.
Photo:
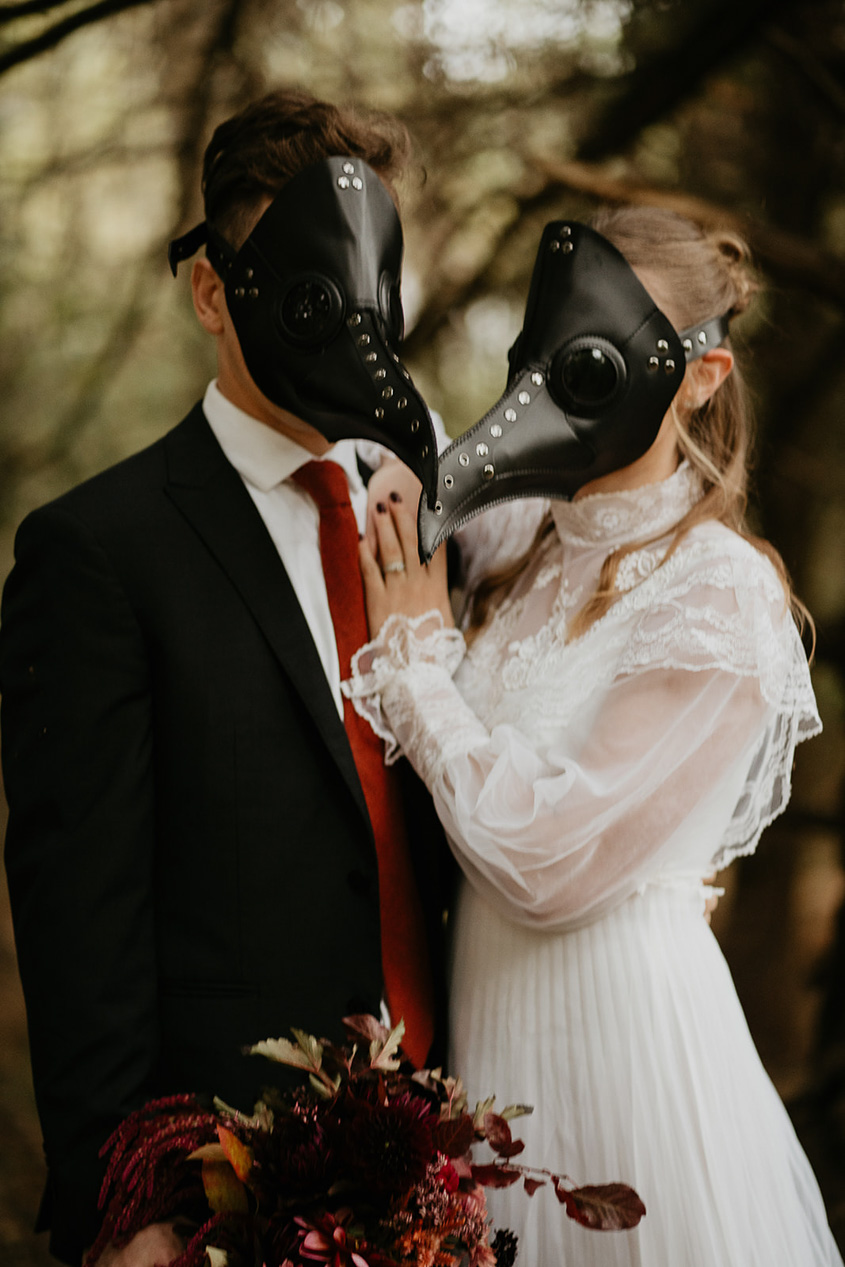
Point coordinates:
[(262, 456)]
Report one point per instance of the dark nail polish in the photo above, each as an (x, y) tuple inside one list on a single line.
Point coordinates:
[(381, 508), (395, 497)]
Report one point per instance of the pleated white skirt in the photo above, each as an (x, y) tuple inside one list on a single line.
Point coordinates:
[(628, 1038)]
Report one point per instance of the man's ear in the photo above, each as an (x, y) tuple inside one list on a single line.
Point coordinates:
[(209, 296), (706, 374)]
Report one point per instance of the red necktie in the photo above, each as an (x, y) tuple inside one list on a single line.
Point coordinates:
[(405, 964)]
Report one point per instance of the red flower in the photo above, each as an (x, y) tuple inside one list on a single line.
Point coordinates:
[(390, 1146), (449, 1177)]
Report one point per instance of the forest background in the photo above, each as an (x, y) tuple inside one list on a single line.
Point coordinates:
[(522, 111)]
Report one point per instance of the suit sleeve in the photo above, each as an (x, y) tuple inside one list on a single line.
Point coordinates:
[(76, 726)]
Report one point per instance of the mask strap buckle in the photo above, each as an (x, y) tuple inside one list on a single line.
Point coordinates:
[(696, 340)]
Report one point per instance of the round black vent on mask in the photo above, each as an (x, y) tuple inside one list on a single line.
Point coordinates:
[(310, 312)]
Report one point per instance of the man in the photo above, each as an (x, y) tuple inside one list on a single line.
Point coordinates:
[(197, 858)]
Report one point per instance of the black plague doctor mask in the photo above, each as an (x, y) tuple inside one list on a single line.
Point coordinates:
[(315, 301), (592, 374)]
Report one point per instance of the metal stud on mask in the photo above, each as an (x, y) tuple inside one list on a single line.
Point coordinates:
[(314, 296), (592, 374)]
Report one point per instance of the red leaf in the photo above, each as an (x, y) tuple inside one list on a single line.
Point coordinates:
[(531, 1185), (455, 1137), (498, 1136), (494, 1176), (607, 1207)]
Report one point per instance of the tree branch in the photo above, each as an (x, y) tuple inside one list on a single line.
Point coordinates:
[(790, 258), (661, 83), (827, 85), (787, 257), (27, 50), (27, 9)]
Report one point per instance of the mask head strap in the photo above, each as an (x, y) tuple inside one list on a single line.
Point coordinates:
[(696, 340), (220, 253)]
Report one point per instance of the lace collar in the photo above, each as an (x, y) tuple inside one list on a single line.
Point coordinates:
[(614, 519)]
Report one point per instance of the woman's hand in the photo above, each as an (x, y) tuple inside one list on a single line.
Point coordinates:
[(392, 482), (395, 582)]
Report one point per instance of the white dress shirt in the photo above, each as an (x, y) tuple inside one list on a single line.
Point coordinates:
[(265, 460)]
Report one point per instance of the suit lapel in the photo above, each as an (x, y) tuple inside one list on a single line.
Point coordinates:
[(210, 494)]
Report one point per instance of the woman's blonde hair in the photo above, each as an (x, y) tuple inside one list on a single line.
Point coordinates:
[(702, 274)]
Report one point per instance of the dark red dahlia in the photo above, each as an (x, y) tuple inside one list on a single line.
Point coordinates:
[(297, 1157), (388, 1147)]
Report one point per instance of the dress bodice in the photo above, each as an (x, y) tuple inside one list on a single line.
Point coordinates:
[(569, 772)]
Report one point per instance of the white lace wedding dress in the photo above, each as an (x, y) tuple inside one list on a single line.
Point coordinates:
[(588, 788)]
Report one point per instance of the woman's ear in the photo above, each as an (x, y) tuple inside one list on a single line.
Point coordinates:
[(705, 375), (209, 296)]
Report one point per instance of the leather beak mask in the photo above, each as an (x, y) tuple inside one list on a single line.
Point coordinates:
[(314, 297), (592, 375)]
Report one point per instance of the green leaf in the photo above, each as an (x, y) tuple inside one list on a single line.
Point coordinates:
[(223, 1189), (382, 1052), (261, 1119), (325, 1087), (457, 1096), (311, 1046), (516, 1110), (305, 1053), (481, 1110)]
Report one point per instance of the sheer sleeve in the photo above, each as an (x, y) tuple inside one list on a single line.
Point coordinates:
[(685, 758), (497, 538)]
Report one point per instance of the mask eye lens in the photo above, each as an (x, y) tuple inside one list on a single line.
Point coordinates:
[(311, 311), (589, 376)]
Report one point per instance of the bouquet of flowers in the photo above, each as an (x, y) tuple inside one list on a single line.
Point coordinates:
[(367, 1165)]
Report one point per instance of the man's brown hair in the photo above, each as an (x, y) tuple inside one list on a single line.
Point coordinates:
[(253, 154)]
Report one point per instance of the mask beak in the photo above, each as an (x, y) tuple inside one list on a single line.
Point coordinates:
[(524, 447), (314, 296), (592, 374), (374, 398)]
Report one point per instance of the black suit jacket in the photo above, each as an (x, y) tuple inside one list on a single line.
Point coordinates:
[(190, 860)]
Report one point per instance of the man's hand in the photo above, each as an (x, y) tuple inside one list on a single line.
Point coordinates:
[(154, 1246)]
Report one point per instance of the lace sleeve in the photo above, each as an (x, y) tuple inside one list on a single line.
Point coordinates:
[(676, 758), (423, 647), (728, 612)]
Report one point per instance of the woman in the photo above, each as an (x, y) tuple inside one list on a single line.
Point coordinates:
[(621, 724)]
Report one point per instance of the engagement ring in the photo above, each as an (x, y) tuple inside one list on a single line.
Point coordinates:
[(393, 567)]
